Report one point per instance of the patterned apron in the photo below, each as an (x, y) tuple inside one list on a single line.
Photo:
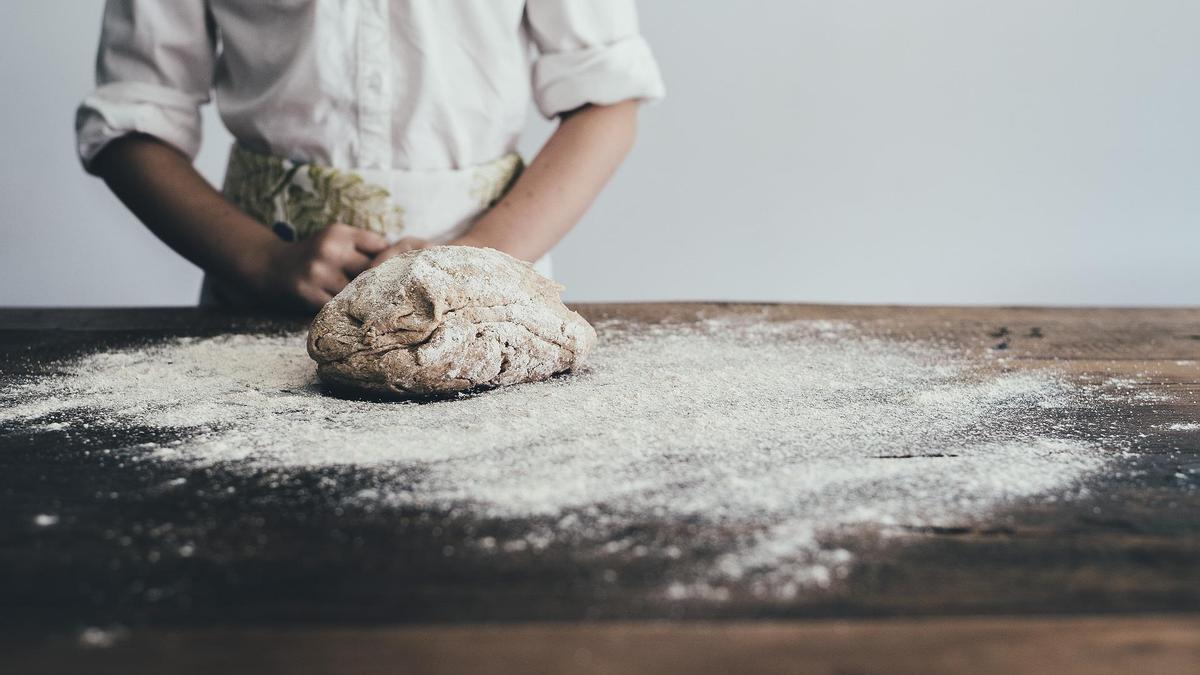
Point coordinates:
[(296, 199)]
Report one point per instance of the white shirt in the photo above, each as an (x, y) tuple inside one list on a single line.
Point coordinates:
[(364, 84)]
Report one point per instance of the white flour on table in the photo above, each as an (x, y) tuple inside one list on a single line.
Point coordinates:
[(792, 432)]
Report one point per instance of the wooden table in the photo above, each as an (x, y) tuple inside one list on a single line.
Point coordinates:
[(1107, 583)]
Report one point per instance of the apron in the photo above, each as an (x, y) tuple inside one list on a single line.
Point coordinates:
[(296, 199)]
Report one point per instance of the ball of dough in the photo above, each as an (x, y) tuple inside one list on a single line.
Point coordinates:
[(444, 320)]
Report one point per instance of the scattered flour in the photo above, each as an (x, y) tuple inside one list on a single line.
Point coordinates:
[(789, 432), (45, 520), (100, 638)]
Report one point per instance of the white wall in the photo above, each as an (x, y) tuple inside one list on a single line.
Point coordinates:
[(926, 151)]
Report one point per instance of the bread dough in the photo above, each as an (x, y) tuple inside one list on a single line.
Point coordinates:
[(443, 320)]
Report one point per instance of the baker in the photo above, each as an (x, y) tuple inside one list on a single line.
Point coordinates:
[(364, 129)]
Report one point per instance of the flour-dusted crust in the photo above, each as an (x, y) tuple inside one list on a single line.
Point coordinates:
[(443, 320)]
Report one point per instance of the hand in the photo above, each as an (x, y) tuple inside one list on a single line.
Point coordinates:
[(312, 271), (402, 246)]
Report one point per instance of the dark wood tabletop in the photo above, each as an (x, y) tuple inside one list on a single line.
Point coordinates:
[(1104, 582)]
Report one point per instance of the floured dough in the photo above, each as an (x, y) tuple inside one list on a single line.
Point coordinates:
[(446, 319)]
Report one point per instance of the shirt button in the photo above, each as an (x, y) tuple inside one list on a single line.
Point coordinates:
[(375, 82)]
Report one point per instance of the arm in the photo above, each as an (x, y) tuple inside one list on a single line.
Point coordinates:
[(553, 193), (561, 182), (160, 186), (139, 130), (592, 71)]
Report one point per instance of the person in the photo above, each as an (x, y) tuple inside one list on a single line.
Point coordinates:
[(363, 129)]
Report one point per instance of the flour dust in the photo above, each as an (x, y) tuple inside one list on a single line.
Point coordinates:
[(785, 434)]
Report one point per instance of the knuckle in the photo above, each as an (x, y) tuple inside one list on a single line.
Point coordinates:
[(328, 246)]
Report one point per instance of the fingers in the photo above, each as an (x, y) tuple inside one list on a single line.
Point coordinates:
[(355, 263), (326, 270), (403, 246), (326, 262), (366, 241), (385, 256), (318, 285), (314, 297), (329, 279), (347, 248), (341, 236)]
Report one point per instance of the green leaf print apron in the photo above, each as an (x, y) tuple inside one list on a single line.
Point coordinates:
[(296, 199)]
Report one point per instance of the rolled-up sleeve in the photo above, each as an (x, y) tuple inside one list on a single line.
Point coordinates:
[(590, 51), (154, 70)]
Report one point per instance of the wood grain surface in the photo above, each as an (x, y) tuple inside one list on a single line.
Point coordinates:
[(1065, 646), (1131, 548)]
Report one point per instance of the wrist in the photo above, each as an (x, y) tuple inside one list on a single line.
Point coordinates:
[(256, 260)]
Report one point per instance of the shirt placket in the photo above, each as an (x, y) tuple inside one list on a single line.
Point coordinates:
[(374, 82)]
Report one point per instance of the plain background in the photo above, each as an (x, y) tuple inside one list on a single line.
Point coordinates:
[(925, 151)]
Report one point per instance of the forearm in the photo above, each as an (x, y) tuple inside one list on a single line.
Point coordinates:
[(560, 183), (160, 186)]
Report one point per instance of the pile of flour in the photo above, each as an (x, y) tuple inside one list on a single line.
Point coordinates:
[(789, 432)]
